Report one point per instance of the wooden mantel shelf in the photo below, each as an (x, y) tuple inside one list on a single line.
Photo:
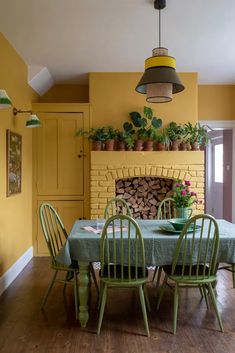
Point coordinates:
[(127, 158)]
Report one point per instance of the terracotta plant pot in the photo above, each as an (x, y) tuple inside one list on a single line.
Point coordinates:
[(109, 145), (138, 145), (183, 146), (161, 146), (148, 146), (195, 146), (96, 145), (175, 146), (121, 146)]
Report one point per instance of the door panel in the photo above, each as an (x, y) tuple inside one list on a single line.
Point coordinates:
[(68, 211), (59, 168), (47, 150), (71, 155)]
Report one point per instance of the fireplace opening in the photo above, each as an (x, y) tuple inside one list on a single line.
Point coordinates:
[(144, 194)]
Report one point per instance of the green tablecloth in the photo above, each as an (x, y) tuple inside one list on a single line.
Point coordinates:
[(84, 246)]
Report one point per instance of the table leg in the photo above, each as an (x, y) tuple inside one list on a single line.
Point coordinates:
[(83, 292)]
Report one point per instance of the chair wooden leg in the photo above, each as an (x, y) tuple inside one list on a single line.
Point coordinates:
[(49, 290), (142, 301), (204, 288), (176, 303), (103, 302), (201, 291), (154, 274), (76, 295), (147, 297), (100, 293), (94, 279), (233, 273), (162, 290), (158, 277), (213, 299)]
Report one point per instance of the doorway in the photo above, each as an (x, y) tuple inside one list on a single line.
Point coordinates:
[(219, 174)]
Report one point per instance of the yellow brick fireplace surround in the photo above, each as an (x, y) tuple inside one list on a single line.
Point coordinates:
[(107, 167)]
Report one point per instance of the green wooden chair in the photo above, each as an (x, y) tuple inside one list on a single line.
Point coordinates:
[(55, 235), (122, 261), (165, 211), (194, 261), (116, 206)]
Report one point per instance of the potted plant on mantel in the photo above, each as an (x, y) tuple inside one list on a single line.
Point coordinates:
[(175, 133), (147, 126), (96, 135), (109, 139), (196, 135), (163, 141)]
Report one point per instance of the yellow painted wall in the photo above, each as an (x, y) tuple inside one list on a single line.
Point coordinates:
[(15, 211), (66, 94), (113, 97), (216, 102)]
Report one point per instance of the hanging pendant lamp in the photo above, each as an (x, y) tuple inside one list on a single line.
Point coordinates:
[(160, 79)]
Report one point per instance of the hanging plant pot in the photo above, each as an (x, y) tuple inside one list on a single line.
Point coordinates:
[(148, 145), (175, 146), (138, 145), (121, 146), (161, 146), (109, 145), (195, 146), (96, 145)]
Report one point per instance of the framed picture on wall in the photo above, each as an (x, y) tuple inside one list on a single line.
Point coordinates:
[(14, 162)]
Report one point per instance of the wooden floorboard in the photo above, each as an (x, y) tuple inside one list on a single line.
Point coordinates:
[(24, 328)]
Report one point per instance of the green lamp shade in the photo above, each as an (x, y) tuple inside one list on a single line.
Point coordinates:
[(5, 101), (33, 121)]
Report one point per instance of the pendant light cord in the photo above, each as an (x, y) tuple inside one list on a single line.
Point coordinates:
[(159, 30)]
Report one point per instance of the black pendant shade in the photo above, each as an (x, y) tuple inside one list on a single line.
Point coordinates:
[(160, 79)]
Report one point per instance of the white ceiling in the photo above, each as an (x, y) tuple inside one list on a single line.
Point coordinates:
[(74, 37)]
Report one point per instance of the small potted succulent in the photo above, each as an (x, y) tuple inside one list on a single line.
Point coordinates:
[(96, 135), (163, 141), (175, 133), (147, 126)]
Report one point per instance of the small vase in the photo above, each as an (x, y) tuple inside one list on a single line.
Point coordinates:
[(175, 146), (183, 212), (109, 145), (121, 146), (96, 145), (183, 146), (148, 146), (195, 146), (161, 146), (138, 145)]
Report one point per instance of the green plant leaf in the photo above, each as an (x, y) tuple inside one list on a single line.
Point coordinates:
[(128, 127), (157, 123), (148, 112), (136, 119)]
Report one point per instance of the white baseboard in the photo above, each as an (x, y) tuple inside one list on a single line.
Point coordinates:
[(10, 275)]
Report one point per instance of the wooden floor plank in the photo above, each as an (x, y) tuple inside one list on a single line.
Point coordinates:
[(24, 328)]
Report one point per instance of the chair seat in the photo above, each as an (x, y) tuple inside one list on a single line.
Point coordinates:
[(140, 275), (178, 271)]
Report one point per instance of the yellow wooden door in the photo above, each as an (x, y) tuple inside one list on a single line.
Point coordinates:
[(68, 211), (60, 154)]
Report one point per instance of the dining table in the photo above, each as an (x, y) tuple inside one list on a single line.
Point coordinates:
[(83, 245)]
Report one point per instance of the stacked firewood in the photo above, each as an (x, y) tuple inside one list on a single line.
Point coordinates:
[(144, 194)]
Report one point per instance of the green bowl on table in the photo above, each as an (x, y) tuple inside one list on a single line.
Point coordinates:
[(178, 223)]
